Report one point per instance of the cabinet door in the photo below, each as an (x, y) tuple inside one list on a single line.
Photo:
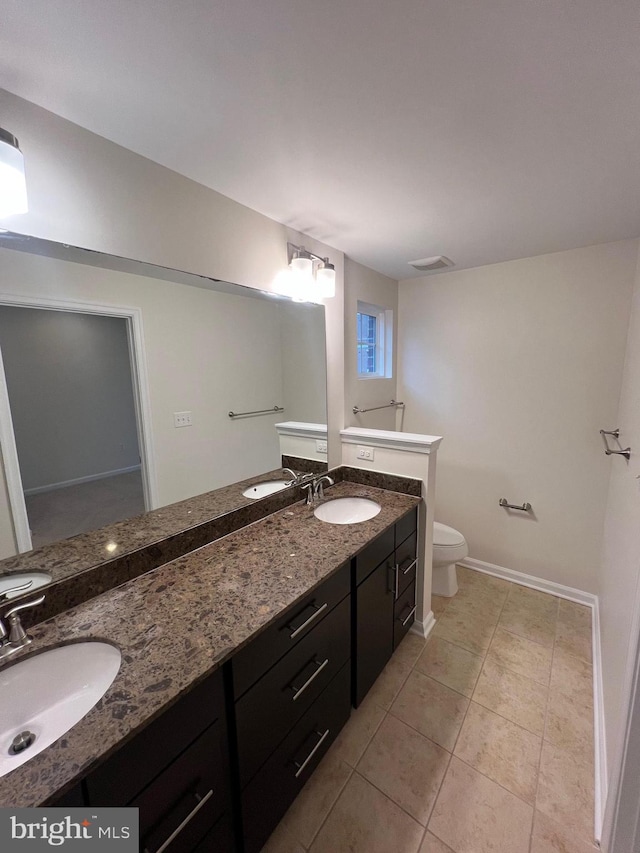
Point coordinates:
[(374, 628)]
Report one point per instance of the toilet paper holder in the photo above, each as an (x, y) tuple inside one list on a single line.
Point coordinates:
[(525, 507)]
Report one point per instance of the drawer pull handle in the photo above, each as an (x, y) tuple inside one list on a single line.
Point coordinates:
[(411, 612), (310, 756), (393, 569), (314, 615), (409, 567), (300, 690), (188, 818)]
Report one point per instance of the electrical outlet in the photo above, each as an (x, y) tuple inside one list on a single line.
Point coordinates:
[(182, 419), (321, 445), (365, 452)]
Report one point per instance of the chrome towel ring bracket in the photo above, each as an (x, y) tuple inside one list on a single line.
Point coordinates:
[(614, 433)]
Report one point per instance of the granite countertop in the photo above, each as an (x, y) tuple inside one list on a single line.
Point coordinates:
[(181, 621), (88, 550)]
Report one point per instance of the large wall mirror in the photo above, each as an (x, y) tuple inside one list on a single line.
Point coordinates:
[(118, 379)]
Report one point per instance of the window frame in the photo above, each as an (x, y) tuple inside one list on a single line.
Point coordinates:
[(383, 340)]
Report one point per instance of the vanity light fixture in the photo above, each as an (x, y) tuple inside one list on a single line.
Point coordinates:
[(314, 277), (13, 187)]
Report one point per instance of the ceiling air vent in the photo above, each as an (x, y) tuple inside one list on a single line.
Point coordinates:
[(439, 262)]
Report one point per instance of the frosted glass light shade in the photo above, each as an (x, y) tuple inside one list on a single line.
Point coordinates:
[(13, 187), (326, 279), (302, 266)]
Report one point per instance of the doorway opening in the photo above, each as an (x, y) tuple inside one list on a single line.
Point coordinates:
[(75, 448)]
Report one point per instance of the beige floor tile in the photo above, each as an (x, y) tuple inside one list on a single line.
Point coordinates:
[(513, 696), (575, 640), (565, 790), (478, 601), (409, 649), (551, 837), (502, 750), (451, 665), (355, 736), (482, 581), (405, 766), (388, 684), (431, 708), (312, 805), (363, 820), (471, 631), (439, 605), (531, 623), (431, 844), (475, 815), (521, 655), (281, 841), (570, 725), (534, 600), (571, 613), (572, 676)]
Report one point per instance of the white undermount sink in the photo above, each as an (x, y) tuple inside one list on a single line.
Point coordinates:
[(261, 490), (347, 510), (37, 579), (45, 695)]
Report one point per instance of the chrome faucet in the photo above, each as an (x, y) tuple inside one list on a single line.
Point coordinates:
[(315, 488), (292, 474), (16, 637)]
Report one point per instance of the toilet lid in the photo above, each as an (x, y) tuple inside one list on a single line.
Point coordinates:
[(443, 535)]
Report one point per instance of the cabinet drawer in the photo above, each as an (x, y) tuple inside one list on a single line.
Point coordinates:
[(404, 614), (407, 525), (127, 772), (370, 557), (275, 787), (182, 804), (271, 707), (220, 839), (254, 660), (373, 636), (406, 563)]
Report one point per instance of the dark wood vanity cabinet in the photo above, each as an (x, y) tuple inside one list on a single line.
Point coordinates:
[(292, 691), (176, 771), (384, 587)]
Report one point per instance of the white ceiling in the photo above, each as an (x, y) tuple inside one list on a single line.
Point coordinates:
[(393, 130)]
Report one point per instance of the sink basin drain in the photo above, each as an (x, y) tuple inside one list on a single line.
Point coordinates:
[(21, 742)]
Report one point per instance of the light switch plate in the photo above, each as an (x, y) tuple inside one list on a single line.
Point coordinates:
[(182, 419), (363, 452)]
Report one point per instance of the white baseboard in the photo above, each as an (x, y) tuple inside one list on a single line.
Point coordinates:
[(589, 600), (50, 487), (599, 732), (558, 589), (423, 629)]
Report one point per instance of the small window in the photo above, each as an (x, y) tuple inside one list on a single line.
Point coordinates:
[(373, 341)]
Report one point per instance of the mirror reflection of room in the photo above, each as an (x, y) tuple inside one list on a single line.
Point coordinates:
[(68, 378), (119, 380)]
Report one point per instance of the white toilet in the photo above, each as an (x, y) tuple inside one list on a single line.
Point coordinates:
[(449, 546)]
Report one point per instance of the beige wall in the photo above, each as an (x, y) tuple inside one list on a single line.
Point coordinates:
[(89, 192), (619, 571), (366, 285), (518, 365)]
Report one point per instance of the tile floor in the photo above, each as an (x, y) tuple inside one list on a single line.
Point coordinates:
[(479, 740)]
